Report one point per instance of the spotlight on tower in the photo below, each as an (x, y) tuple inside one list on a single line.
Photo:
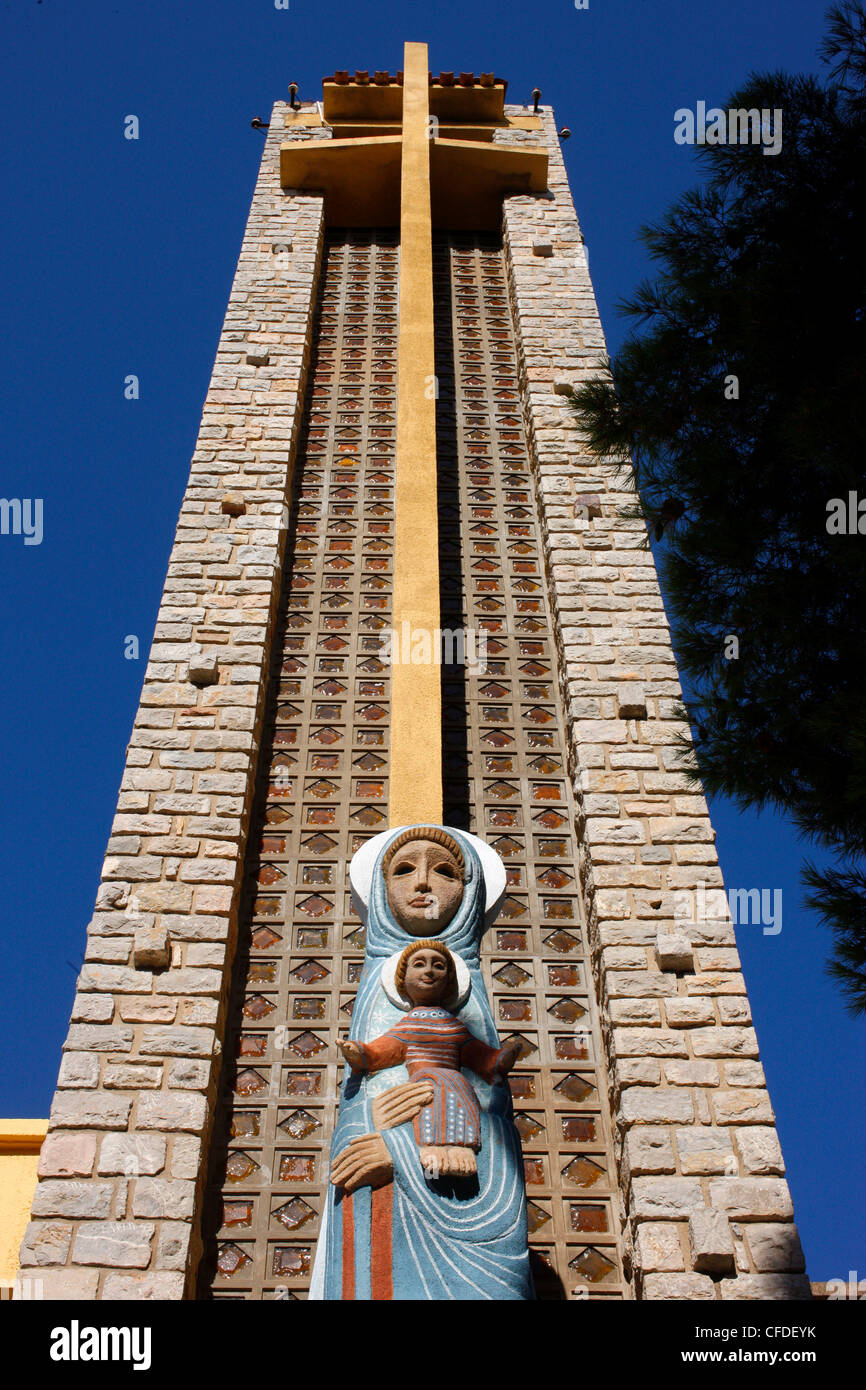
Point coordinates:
[(536, 98), (258, 124), (565, 133), (293, 96)]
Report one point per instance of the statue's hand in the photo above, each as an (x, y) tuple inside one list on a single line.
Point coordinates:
[(365, 1162), (510, 1054), (401, 1104), (352, 1053)]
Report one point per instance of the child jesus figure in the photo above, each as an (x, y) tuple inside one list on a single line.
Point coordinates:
[(434, 1045)]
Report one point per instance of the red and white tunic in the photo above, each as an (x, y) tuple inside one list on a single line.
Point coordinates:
[(434, 1046)]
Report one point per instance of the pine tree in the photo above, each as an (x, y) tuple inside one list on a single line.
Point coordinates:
[(740, 395)]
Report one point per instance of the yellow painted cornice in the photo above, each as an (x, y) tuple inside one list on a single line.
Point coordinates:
[(22, 1136)]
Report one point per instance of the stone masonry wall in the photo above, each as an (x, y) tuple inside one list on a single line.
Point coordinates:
[(123, 1165), (707, 1209)]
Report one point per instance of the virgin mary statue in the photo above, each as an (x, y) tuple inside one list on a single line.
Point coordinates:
[(394, 1228)]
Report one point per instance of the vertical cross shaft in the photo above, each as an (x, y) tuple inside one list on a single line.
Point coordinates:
[(416, 696)]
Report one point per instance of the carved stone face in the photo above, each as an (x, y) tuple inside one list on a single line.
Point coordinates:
[(426, 977), (425, 887)]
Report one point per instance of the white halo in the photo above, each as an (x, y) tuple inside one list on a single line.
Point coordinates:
[(364, 859), (464, 982)]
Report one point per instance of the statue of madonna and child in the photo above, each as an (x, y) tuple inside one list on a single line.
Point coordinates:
[(426, 1199)]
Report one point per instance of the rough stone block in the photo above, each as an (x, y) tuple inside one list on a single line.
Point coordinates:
[(760, 1150), (78, 1069), (645, 1011), (691, 1073), (742, 1108), (213, 898), (128, 1076), (674, 952), (542, 246), (147, 1287), (172, 1245), (782, 1287), (152, 949), (649, 1149), (636, 1071), (657, 1247), (186, 1153), (679, 1287), (46, 1243), (705, 1150), (199, 1012), (233, 504), (189, 980), (752, 1199), (76, 1285), (189, 1074), (710, 1245), (92, 1008), (163, 1198), (67, 1155), (775, 1247), (205, 953), (203, 669), (94, 1037), (718, 958), (725, 1042), (638, 984), (745, 1074), (72, 1197), (619, 957), (631, 701), (123, 1244), (669, 1199), (648, 1042), (587, 504), (689, 1013), (656, 1105), (89, 1110), (734, 1010), (176, 1042), (132, 1154), (170, 1112), (714, 984), (144, 1008)]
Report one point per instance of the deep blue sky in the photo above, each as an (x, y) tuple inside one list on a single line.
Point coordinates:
[(118, 257)]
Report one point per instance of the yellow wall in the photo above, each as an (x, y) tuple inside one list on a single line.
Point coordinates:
[(20, 1142)]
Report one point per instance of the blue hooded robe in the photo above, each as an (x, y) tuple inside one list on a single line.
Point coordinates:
[(416, 1239)]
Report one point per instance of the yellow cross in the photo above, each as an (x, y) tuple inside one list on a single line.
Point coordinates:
[(359, 170), (387, 163)]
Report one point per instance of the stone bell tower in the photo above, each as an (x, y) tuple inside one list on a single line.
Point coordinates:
[(386, 455)]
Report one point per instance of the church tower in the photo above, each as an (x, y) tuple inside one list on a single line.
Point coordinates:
[(402, 592)]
